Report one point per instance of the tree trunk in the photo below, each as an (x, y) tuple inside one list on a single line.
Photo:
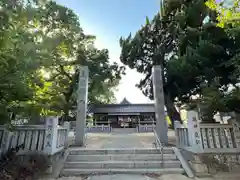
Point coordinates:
[(67, 96), (66, 112), (66, 108), (171, 110)]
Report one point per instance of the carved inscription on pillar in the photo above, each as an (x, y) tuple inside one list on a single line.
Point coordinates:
[(197, 133), (236, 132), (82, 105), (194, 133), (49, 135)]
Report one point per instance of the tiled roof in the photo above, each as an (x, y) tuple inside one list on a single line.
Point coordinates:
[(125, 101)]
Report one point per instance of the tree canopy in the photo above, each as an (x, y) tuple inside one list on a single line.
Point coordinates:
[(41, 47), (228, 11), (198, 57)]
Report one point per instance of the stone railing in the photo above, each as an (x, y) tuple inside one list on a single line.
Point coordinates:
[(181, 133), (217, 136), (208, 138), (146, 128), (98, 128), (1, 133), (48, 139)]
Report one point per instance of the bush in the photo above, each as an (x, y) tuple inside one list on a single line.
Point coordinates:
[(26, 167)]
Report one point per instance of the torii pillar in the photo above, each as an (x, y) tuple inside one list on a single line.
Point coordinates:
[(82, 106), (161, 123)]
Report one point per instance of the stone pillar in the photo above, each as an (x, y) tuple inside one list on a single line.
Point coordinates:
[(67, 126), (161, 123), (51, 135), (6, 140), (177, 125), (236, 132), (82, 105), (94, 120), (194, 135)]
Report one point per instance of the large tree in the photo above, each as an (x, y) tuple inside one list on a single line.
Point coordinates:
[(158, 41), (191, 51), (42, 45)]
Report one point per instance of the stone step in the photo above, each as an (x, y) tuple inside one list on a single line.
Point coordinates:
[(77, 151), (121, 157), (78, 172), (122, 164)]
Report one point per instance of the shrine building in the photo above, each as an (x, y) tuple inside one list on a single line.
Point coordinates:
[(124, 114)]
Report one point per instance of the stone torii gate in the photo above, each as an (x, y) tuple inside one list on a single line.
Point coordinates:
[(161, 124)]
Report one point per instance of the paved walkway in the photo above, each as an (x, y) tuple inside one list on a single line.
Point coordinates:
[(119, 140), (133, 140), (163, 177), (140, 177)]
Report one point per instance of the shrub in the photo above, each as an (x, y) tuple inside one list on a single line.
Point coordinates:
[(24, 167)]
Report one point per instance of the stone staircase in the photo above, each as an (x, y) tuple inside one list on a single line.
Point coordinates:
[(126, 161)]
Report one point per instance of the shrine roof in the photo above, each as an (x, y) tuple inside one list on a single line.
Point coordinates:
[(128, 108), (123, 105), (125, 101)]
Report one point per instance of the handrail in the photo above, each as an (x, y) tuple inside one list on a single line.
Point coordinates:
[(161, 146)]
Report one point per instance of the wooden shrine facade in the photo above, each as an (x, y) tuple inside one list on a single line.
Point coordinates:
[(123, 114)]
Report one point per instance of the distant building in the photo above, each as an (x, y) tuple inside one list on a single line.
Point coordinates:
[(123, 114)]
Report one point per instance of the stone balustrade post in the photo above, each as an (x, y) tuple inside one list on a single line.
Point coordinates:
[(177, 125), (50, 145), (67, 126), (6, 140), (194, 135), (236, 132)]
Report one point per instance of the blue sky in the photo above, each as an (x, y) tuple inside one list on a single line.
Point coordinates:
[(108, 20)]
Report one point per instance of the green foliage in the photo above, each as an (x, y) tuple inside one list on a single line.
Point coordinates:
[(12, 166), (228, 11), (192, 52), (41, 47)]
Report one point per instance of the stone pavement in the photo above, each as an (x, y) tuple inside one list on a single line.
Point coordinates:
[(114, 140), (122, 177), (141, 177), (163, 177), (133, 140)]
